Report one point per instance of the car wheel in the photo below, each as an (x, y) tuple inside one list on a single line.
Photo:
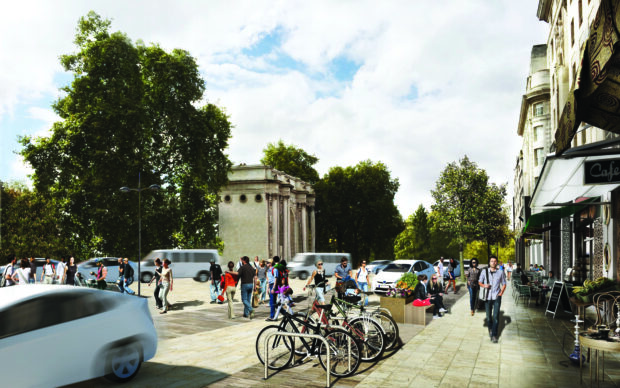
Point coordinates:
[(146, 277), (123, 363), (203, 277), (303, 275)]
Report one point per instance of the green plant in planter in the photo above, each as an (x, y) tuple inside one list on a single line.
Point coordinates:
[(404, 286)]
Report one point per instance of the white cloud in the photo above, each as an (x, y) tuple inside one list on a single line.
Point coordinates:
[(468, 62)]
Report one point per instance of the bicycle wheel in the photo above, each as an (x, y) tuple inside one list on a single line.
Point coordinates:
[(390, 328), (280, 353), (371, 337), (344, 351), (300, 348)]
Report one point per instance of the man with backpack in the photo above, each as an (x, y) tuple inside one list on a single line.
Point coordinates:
[(7, 274), (49, 272), (216, 281)]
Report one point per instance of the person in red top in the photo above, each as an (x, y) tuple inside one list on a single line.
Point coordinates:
[(230, 287)]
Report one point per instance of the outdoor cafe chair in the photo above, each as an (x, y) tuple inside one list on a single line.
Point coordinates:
[(524, 291)]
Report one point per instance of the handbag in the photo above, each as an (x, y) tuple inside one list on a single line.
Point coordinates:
[(482, 295), (422, 302)]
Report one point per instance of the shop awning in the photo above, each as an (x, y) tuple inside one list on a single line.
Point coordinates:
[(596, 97), (561, 181), (547, 216)]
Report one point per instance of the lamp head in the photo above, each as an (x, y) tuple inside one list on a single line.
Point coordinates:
[(154, 187), (125, 189)]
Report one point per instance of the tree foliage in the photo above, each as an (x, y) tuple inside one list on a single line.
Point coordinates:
[(29, 225), (291, 160), (131, 109), (468, 206), (415, 241), (356, 211)]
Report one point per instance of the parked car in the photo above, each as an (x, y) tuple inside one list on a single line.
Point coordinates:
[(185, 263), (393, 271), (457, 270), (59, 335), (111, 263), (303, 264), (374, 264)]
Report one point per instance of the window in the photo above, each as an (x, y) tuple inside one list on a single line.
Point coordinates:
[(572, 32), (203, 257), (538, 109), (243, 198), (258, 198), (539, 157), (538, 133), (419, 266), (227, 198)]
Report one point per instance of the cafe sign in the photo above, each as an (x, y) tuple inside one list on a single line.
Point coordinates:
[(601, 171)]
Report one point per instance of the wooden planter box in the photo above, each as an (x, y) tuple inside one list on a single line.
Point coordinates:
[(396, 306)]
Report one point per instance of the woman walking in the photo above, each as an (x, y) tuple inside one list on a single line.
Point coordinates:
[(451, 276), (262, 278), (230, 287), (21, 275), (472, 284), (166, 286), (157, 278), (70, 271), (320, 281)]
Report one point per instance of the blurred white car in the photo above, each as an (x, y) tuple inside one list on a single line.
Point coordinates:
[(53, 335), (390, 275)]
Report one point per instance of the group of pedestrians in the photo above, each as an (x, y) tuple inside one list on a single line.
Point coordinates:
[(25, 272), (164, 282)]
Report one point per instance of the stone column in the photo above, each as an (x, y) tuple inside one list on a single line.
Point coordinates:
[(275, 224), (567, 246), (304, 226), (313, 230), (286, 228)]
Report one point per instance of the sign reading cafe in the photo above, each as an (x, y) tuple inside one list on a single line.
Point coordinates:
[(601, 171)]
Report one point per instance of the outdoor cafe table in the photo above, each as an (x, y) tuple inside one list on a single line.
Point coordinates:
[(596, 345)]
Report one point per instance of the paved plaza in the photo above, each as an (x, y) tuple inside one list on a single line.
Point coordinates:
[(199, 346)]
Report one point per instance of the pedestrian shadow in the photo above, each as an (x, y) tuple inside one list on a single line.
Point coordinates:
[(504, 320), (178, 306)]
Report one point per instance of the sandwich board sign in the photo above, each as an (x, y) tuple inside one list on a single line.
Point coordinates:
[(559, 297)]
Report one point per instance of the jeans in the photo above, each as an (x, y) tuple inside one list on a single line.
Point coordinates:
[(272, 303), (30, 281), (214, 289), (156, 295), (473, 297), (121, 284), (127, 282), (263, 289), (246, 298), (163, 294), (364, 287), (492, 307), (230, 295)]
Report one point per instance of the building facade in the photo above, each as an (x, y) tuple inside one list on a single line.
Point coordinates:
[(561, 203), (264, 212)]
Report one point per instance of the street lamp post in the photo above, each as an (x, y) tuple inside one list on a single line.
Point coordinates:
[(126, 189)]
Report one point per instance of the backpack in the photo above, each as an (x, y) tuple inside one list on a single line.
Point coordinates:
[(129, 269), (3, 280), (217, 271)]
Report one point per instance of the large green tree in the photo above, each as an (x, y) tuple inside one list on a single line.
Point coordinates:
[(291, 160), (131, 109), (458, 194), (415, 241), (29, 224), (356, 211)]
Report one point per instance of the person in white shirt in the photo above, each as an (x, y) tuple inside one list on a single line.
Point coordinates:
[(22, 274), (49, 271), (361, 278), (60, 271), (8, 271), (440, 270)]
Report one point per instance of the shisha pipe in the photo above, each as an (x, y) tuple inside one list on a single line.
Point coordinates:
[(617, 331), (574, 356)]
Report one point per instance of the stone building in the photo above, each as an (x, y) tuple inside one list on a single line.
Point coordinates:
[(265, 212), (573, 207)]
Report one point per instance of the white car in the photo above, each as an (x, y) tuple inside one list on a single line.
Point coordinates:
[(111, 263), (53, 335), (388, 278)]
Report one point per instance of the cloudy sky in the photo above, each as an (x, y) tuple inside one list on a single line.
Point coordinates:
[(413, 84)]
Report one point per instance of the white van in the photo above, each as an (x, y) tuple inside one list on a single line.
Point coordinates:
[(185, 263), (303, 264)]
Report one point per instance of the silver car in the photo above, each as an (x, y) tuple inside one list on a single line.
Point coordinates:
[(53, 335)]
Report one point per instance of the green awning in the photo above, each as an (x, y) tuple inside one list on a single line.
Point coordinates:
[(539, 219)]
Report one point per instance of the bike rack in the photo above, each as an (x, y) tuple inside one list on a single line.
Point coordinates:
[(301, 335)]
